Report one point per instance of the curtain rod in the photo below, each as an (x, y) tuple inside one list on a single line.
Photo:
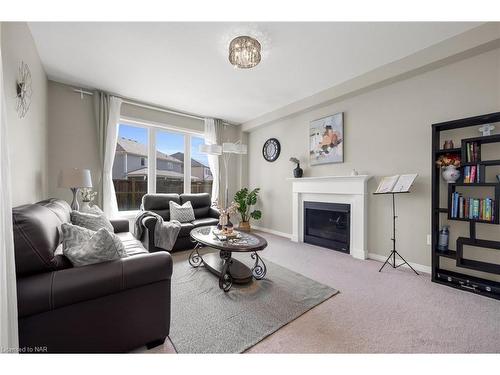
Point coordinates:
[(148, 106)]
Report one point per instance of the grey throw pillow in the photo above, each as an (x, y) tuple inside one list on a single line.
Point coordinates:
[(94, 209), (102, 246), (73, 235), (91, 221), (183, 214)]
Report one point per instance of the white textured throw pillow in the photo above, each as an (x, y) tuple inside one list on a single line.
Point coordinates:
[(183, 214), (73, 235), (94, 209), (102, 246), (91, 221)]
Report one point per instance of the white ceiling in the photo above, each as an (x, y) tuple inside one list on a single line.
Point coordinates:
[(184, 65)]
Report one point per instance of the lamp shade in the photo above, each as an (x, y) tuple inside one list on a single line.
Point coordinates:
[(210, 149), (75, 178), (234, 148)]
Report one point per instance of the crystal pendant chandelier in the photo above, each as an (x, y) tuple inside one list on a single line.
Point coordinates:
[(244, 52)]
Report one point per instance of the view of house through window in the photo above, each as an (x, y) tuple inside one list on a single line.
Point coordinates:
[(169, 162), (131, 168), (130, 175), (201, 177)]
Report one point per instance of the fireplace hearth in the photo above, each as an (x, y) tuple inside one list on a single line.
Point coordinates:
[(327, 225)]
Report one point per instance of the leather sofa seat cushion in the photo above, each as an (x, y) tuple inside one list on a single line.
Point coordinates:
[(201, 203), (159, 203), (132, 245), (37, 234), (51, 290), (205, 221), (186, 228)]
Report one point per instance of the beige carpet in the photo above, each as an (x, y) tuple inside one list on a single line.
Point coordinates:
[(390, 312)]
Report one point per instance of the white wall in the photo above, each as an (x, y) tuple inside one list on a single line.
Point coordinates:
[(387, 131), (28, 136)]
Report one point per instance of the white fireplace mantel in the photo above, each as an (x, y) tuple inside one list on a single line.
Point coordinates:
[(350, 190)]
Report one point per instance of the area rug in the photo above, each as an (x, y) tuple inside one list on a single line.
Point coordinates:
[(204, 319)]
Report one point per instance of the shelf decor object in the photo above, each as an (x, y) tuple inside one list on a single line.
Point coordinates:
[(463, 204), (244, 52)]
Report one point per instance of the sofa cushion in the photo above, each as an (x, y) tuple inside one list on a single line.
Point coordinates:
[(37, 235), (186, 228), (102, 246), (131, 244), (201, 203), (183, 214), (204, 222), (91, 221), (159, 203)]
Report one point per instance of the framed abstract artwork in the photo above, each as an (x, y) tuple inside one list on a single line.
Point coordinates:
[(326, 140)]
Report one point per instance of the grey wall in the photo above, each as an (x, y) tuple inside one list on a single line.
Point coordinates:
[(72, 136), (387, 131), (27, 136)]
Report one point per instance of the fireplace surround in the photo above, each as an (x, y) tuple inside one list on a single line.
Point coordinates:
[(350, 190)]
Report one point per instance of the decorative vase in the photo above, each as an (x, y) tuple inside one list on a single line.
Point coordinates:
[(297, 172), (244, 226), (451, 174)]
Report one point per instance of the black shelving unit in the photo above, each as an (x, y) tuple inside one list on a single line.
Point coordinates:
[(452, 278)]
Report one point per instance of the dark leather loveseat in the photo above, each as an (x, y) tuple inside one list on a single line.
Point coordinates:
[(204, 214), (114, 306)]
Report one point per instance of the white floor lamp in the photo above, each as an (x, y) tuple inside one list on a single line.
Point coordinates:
[(225, 151)]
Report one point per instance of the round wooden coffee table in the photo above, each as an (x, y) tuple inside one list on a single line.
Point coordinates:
[(223, 265)]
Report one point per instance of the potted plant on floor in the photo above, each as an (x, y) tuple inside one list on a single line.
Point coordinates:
[(245, 200)]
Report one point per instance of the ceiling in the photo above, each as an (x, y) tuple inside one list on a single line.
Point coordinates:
[(184, 66)]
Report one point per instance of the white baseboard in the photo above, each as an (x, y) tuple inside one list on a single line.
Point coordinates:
[(272, 231), (416, 266)]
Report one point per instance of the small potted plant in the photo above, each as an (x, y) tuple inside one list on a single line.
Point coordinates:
[(245, 199), (87, 197), (449, 164), (297, 172)]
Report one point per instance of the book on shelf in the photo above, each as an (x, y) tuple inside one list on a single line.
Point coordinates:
[(471, 152), (472, 174), (396, 184), (472, 208)]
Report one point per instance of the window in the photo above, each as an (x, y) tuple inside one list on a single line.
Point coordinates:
[(201, 177), (130, 173), (150, 159), (169, 162)]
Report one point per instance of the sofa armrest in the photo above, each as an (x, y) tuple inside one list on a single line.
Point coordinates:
[(51, 290), (213, 212), (120, 225)]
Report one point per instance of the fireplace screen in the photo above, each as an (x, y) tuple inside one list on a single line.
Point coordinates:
[(327, 225)]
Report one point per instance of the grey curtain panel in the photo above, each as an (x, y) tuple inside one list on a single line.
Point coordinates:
[(101, 111)]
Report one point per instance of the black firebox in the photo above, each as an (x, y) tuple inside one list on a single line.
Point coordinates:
[(327, 225)]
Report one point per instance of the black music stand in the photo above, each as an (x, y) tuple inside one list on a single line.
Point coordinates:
[(394, 252)]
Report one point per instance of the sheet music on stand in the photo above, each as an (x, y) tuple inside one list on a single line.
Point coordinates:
[(396, 184)]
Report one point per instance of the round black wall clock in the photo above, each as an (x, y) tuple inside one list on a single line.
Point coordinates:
[(271, 149)]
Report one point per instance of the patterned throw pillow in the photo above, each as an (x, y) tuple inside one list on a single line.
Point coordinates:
[(91, 221), (94, 209), (102, 246), (183, 214), (73, 235)]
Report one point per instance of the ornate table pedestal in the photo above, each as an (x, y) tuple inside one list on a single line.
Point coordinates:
[(223, 265)]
